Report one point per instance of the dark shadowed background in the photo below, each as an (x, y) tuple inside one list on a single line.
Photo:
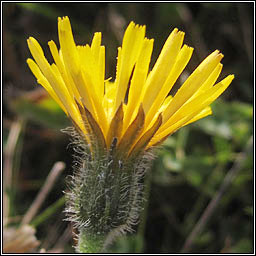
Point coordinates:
[(191, 166)]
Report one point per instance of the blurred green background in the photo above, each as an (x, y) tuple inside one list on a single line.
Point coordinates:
[(191, 165)]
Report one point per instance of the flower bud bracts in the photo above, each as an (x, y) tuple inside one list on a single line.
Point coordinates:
[(106, 190)]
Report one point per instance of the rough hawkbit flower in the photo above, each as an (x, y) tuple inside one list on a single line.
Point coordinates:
[(117, 124)]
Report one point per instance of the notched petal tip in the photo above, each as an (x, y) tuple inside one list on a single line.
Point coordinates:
[(175, 30), (232, 76), (64, 23), (187, 47), (132, 24), (30, 41), (220, 56), (217, 54), (63, 18)]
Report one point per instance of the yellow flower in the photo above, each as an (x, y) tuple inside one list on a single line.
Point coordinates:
[(120, 121), (135, 110)]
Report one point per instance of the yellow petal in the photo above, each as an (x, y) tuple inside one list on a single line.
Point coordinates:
[(56, 83), (68, 46), (181, 62), (91, 78), (72, 61), (162, 68), (205, 112), (65, 75), (109, 99), (85, 74), (95, 46), (44, 82), (137, 82), (192, 108), (91, 72), (209, 82), (127, 57), (193, 83), (166, 103), (101, 66)]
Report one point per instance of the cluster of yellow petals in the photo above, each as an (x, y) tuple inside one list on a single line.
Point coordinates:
[(136, 107)]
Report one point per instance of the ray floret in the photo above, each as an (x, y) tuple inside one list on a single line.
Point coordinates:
[(78, 77)]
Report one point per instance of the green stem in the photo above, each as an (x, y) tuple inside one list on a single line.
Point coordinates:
[(89, 243)]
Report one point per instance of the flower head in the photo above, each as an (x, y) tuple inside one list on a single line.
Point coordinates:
[(116, 123), (136, 109)]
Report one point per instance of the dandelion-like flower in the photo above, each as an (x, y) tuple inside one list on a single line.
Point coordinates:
[(118, 123)]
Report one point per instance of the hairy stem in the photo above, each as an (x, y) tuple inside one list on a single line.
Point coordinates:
[(89, 243)]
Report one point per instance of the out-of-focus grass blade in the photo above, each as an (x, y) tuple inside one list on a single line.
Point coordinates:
[(40, 108), (52, 209), (46, 10), (42, 9)]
